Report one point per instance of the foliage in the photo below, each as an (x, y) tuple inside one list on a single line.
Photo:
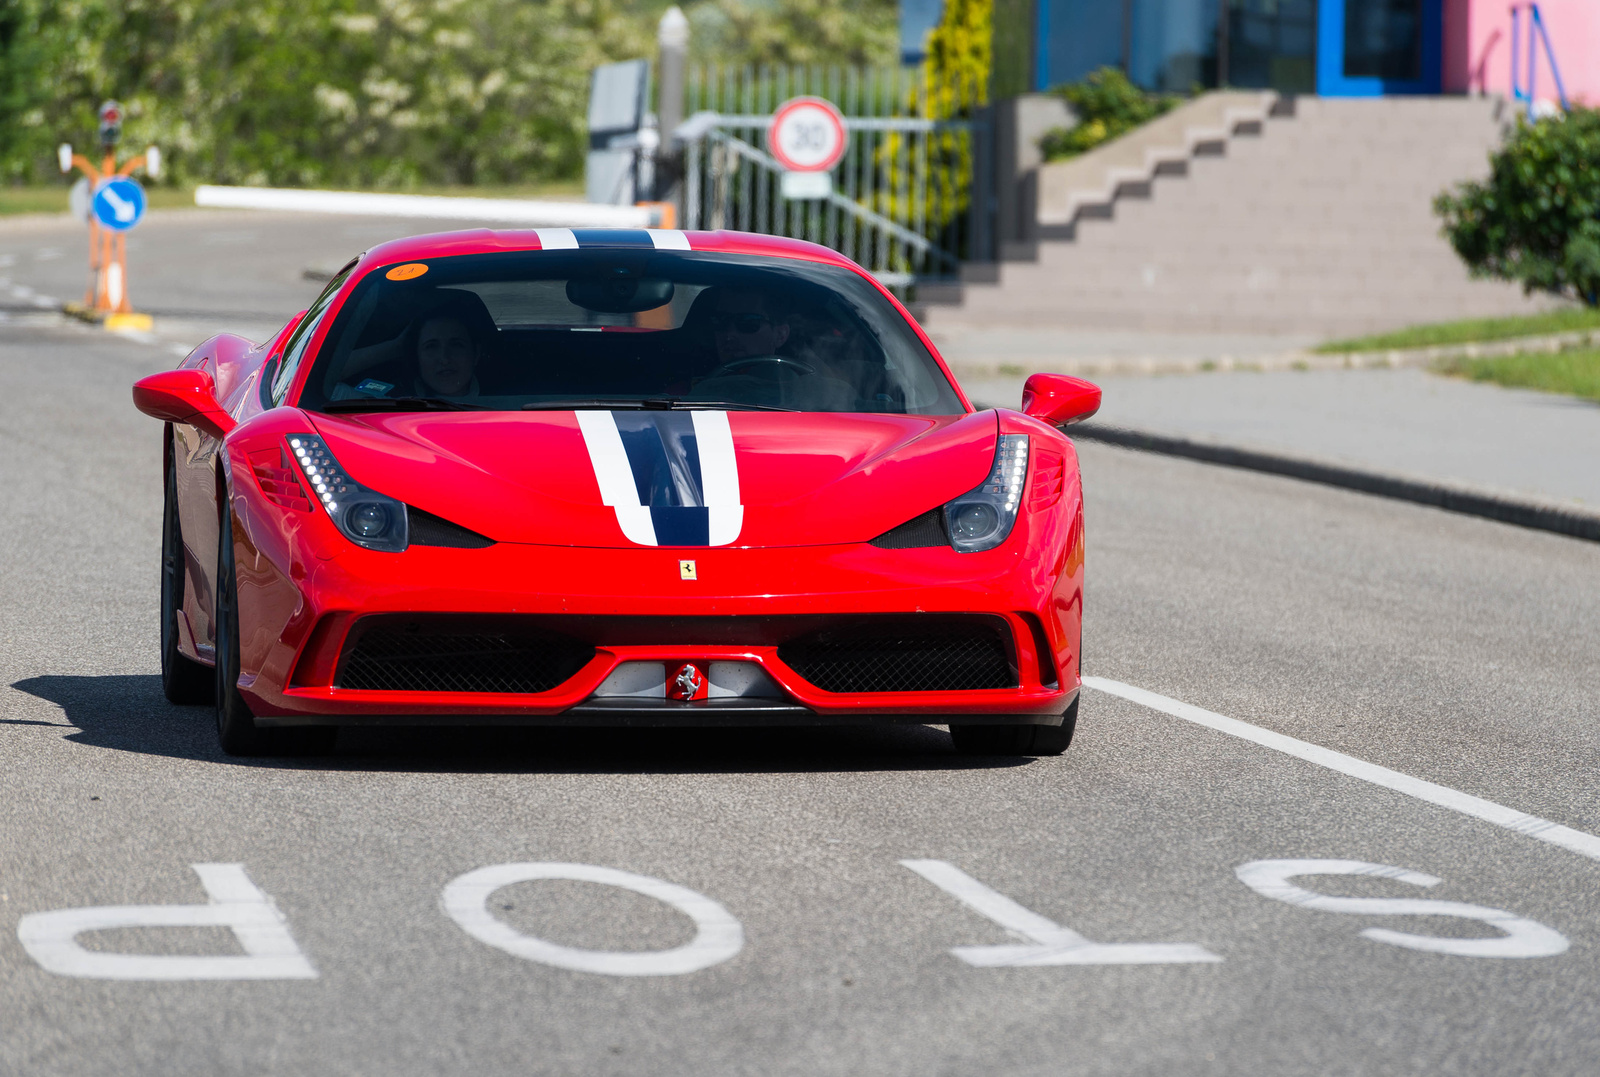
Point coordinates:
[(1575, 372), (1536, 219), (1013, 60), (389, 93), (1471, 330), (1107, 106), (737, 33), (954, 83)]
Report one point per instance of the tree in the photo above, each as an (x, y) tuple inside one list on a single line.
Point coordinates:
[(751, 32), (1536, 219)]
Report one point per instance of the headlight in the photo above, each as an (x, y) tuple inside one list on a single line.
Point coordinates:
[(366, 517), (982, 518)]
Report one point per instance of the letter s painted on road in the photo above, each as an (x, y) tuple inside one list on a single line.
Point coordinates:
[(1522, 938)]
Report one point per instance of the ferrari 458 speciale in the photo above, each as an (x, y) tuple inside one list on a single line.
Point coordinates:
[(613, 478)]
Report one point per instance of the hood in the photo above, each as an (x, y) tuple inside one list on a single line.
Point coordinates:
[(666, 478)]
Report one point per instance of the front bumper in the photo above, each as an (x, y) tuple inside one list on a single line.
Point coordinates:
[(299, 611)]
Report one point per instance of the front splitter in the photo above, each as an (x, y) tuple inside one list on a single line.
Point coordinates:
[(667, 712)]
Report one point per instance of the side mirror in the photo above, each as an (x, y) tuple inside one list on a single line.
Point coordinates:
[(183, 396), (1058, 399)]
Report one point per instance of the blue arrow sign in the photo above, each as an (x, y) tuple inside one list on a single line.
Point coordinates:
[(118, 203)]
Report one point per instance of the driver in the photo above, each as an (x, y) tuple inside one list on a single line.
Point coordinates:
[(746, 323), (748, 327)]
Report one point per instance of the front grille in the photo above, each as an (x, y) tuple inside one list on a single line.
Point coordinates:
[(905, 655), (459, 655)]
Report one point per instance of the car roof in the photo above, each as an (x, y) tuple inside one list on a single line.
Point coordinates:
[(491, 241)]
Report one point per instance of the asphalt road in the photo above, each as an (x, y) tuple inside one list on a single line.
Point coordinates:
[(1448, 649)]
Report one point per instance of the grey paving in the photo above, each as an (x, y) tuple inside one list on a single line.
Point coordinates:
[(197, 271), (1402, 420), (1453, 649), (990, 351)]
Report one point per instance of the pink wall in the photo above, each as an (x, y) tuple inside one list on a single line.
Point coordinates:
[(1477, 48)]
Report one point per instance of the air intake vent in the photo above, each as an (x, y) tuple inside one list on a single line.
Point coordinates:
[(426, 529), (491, 654), (917, 533), (905, 655)]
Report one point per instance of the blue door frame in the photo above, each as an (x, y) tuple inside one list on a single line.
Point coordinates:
[(1331, 79)]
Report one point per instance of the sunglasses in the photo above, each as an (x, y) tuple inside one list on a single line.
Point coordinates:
[(743, 323)]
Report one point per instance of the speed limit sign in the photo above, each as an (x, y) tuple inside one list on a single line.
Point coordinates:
[(807, 135)]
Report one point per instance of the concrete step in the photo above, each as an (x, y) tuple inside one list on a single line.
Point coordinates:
[(1323, 222)]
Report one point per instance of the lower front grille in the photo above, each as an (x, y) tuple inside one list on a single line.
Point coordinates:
[(905, 655), (459, 655)]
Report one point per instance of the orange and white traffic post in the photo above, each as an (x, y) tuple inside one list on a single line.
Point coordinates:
[(116, 203)]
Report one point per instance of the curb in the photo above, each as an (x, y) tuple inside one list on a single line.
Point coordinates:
[(1475, 349), (1520, 510)]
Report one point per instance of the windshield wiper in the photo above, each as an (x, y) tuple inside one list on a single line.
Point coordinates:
[(599, 404), (399, 403), (649, 404), (726, 405)]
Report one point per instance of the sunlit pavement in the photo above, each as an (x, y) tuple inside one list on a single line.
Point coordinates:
[(818, 901)]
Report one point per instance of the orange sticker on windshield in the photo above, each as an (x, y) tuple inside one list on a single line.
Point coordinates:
[(409, 271)]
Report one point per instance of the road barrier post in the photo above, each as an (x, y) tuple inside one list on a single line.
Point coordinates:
[(116, 204)]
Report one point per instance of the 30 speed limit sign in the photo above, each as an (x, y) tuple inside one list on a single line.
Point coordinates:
[(807, 135)]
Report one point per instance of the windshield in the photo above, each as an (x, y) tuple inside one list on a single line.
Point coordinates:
[(622, 328)]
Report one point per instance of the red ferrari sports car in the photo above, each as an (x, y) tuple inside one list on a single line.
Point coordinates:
[(613, 478)]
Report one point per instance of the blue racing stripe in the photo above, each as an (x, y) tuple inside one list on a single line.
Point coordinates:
[(614, 237), (681, 526), (664, 456)]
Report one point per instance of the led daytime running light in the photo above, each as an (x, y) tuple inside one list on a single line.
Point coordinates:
[(982, 519), (341, 496)]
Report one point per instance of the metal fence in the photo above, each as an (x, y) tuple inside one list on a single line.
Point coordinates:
[(909, 201)]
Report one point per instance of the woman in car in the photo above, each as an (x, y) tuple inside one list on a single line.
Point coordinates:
[(439, 353)]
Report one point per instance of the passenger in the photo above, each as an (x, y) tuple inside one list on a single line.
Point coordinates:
[(443, 361)]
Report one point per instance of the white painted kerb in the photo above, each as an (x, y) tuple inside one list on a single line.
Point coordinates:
[(437, 207)]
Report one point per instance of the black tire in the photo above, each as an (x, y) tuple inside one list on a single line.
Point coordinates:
[(236, 726), (183, 680), (1016, 739)]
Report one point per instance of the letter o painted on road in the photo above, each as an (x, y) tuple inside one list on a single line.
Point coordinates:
[(718, 934)]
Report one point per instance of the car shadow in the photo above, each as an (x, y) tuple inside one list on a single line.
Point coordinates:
[(127, 712)]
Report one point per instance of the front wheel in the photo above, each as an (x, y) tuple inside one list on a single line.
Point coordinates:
[(236, 726), (183, 680), (1016, 739)]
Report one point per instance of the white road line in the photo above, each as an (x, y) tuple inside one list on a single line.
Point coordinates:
[(1530, 825)]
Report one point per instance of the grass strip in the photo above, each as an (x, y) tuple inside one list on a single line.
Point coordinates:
[(1470, 331), (1575, 372), (52, 199)]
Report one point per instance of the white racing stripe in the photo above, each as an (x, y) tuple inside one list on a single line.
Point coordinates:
[(556, 239), (719, 475), (1487, 810), (615, 476), (669, 239)]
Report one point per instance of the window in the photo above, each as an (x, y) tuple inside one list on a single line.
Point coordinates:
[(624, 328), (294, 350)]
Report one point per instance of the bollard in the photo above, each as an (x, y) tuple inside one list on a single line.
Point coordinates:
[(117, 203)]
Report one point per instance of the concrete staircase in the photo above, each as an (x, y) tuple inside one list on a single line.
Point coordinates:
[(1320, 226)]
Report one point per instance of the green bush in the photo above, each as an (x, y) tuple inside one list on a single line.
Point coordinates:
[(1536, 219), (1107, 106)]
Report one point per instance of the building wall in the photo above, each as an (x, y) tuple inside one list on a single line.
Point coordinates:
[(1477, 48)]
